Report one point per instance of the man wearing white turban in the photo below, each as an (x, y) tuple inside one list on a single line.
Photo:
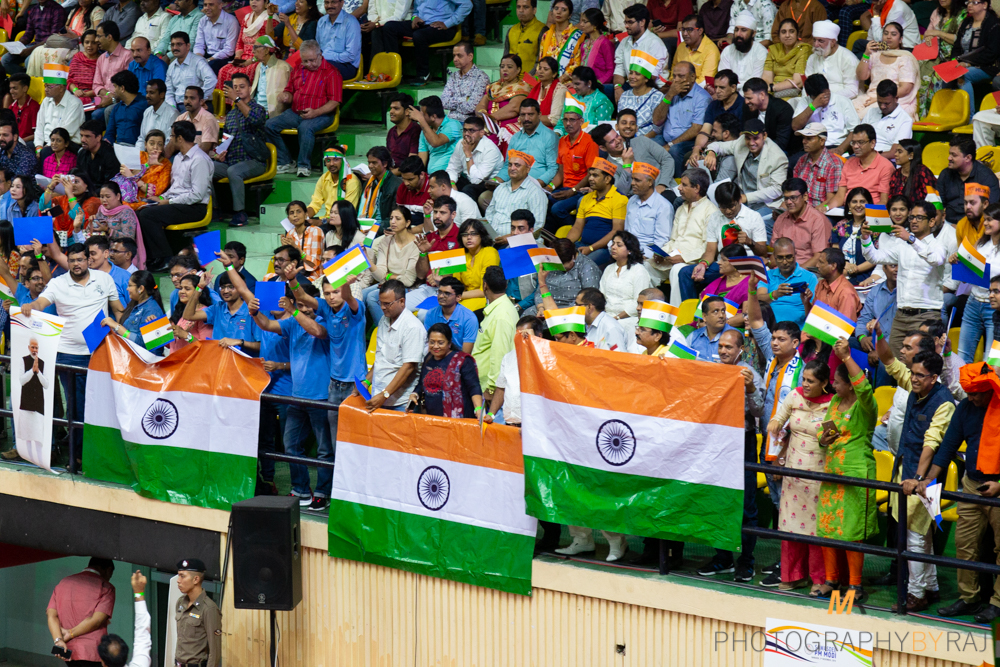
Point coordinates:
[(833, 61), (745, 56)]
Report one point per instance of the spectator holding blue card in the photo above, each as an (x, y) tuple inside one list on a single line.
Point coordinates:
[(233, 325)]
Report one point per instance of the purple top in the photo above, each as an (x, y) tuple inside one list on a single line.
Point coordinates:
[(738, 294)]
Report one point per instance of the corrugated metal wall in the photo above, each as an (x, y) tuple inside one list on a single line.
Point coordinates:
[(354, 614)]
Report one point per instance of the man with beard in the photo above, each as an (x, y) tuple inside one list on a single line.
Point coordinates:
[(745, 55), (206, 124), (833, 61), (776, 114), (14, 155), (623, 147)]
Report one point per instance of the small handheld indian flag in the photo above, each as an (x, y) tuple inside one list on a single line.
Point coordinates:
[(371, 234), (827, 324), (55, 73), (933, 197), (545, 259), (448, 261), (157, 333), (657, 315), (750, 265), (366, 224), (732, 308), (972, 267), (680, 351), (878, 218), (562, 320), (351, 262), (994, 358), (643, 63), (5, 294)]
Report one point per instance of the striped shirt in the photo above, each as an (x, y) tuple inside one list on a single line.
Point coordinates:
[(311, 89)]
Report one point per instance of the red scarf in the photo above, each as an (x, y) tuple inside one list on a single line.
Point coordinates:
[(452, 400), (825, 398)]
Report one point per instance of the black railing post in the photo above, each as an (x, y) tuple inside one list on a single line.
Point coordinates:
[(663, 557), (902, 565)]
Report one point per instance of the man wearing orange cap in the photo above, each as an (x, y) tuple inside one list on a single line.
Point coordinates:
[(977, 198), (600, 214), (963, 167), (649, 216), (518, 192)]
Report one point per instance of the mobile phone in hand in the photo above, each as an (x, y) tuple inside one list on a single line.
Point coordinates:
[(798, 288), (982, 488), (63, 653), (829, 425)]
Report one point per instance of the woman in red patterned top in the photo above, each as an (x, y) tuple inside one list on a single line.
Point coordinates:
[(912, 178), (82, 68)]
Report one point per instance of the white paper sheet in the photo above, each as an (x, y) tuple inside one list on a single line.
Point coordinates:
[(14, 47), (128, 156), (43, 183), (224, 146), (289, 227)]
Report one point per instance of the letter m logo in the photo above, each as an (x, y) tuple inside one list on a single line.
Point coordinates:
[(835, 602)]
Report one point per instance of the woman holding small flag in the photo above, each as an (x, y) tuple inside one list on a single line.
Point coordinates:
[(847, 236), (970, 265), (393, 256), (305, 237), (342, 226), (144, 307), (186, 331), (449, 379), (479, 255), (625, 278)]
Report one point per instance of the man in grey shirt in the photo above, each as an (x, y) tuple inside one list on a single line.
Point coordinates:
[(399, 349), (624, 146)]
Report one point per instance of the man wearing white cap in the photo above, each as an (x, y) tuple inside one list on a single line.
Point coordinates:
[(820, 105), (745, 55), (763, 12), (833, 61), (820, 169)]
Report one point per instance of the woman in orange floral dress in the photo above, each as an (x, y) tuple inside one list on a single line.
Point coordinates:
[(256, 23)]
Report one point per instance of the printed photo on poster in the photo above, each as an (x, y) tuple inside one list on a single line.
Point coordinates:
[(34, 343)]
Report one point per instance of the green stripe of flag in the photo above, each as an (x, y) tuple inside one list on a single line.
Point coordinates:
[(446, 270), (884, 229), (187, 476), (650, 323), (970, 265), (431, 546), (5, 295), (821, 334), (563, 328), (636, 67), (632, 504), (546, 266)]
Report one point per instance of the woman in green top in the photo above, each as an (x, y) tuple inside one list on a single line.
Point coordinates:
[(587, 91), (847, 512)]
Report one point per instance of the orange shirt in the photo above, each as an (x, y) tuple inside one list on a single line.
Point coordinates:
[(576, 157), (840, 295)]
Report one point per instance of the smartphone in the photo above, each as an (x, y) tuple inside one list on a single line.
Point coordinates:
[(63, 653), (228, 84), (829, 425), (411, 406), (55, 211), (657, 23), (798, 288)]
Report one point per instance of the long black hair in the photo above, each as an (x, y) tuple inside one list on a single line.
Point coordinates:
[(349, 226), (916, 162), (632, 246), (7, 244), (202, 296)]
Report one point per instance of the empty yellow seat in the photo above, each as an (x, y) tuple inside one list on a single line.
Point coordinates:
[(989, 156), (883, 473), (989, 102), (204, 222), (935, 156), (884, 396), (389, 64), (370, 352), (949, 109), (37, 89), (949, 508), (563, 231)]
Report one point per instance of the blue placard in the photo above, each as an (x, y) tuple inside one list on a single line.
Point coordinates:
[(207, 245), (962, 274), (428, 303), (362, 389), (516, 262), (657, 250), (95, 333), (27, 229), (268, 294), (861, 359)]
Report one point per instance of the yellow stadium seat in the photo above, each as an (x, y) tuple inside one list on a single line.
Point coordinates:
[(989, 156), (855, 36), (370, 353), (18, 36), (563, 231), (357, 75), (219, 103), (204, 222), (761, 477), (935, 156), (989, 102), (37, 89), (331, 128), (685, 314), (949, 109), (884, 396), (949, 508), (953, 334), (3, 38), (962, 447), (978, 356), (390, 64), (883, 473)]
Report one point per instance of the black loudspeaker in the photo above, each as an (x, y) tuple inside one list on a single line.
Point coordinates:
[(267, 553)]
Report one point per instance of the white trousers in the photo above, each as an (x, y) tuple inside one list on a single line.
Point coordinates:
[(923, 576)]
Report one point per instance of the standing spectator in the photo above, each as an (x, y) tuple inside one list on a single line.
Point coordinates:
[(496, 333), (434, 21), (96, 156), (867, 169), (450, 312), (475, 159), (833, 61), (80, 609), (453, 391), (746, 56), (124, 119), (15, 156), (125, 15), (403, 138), (24, 107), (144, 307), (187, 69), (963, 168), (833, 288), (806, 227), (524, 38), (439, 134), (235, 254), (819, 168), (115, 58), (339, 35), (158, 115), (113, 650), (45, 18), (977, 318), (151, 24), (685, 113), (247, 155), (696, 48), (313, 93), (879, 304), (217, 32), (186, 21), (466, 87), (144, 65), (399, 349), (57, 109), (507, 396), (640, 38)]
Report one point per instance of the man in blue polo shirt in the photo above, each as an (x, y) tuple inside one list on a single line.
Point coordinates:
[(464, 325), (233, 325), (786, 304), (686, 103), (705, 340)]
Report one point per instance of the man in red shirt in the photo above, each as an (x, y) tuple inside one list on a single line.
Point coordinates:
[(314, 92), (413, 192), (80, 609), (443, 235), (25, 108), (577, 151)]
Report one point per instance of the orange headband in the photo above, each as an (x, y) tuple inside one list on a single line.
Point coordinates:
[(607, 167), (973, 189), (645, 170), (527, 159)]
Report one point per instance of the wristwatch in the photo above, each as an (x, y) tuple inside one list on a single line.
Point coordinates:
[(385, 394), (912, 239), (919, 478)]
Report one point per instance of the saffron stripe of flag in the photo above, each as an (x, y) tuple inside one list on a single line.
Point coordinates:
[(5, 294), (680, 351), (351, 262), (994, 358), (562, 320), (643, 63), (827, 324), (972, 258), (371, 234), (934, 198), (545, 259), (731, 307), (573, 104), (655, 314), (878, 218), (55, 73), (751, 264), (157, 333), (448, 261)]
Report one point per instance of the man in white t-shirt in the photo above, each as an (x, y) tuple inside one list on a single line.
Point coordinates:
[(745, 56), (821, 105), (890, 121), (79, 296)]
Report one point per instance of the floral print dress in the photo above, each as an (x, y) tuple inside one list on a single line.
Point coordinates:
[(800, 497)]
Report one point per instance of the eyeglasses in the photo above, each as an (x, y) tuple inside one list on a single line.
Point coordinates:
[(860, 143), (784, 258), (792, 197), (688, 29), (382, 304), (918, 218), (470, 234)]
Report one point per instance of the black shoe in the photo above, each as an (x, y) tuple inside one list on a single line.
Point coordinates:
[(772, 580), (714, 567), (157, 265), (771, 569), (420, 81), (859, 594), (744, 574), (887, 579), (319, 504), (987, 615), (239, 220), (961, 608), (933, 597)]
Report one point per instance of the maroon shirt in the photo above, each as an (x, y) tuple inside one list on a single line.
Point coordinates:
[(447, 242), (669, 15), (27, 117), (402, 145), (414, 200)]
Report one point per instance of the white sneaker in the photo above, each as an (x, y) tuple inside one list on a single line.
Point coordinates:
[(578, 546), (286, 168), (305, 171), (617, 550)]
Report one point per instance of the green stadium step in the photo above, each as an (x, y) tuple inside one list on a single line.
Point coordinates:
[(489, 56), (261, 238)]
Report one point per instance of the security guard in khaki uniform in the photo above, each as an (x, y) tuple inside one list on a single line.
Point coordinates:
[(199, 622)]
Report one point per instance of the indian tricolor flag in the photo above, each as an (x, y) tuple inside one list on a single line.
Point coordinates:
[(6, 294), (934, 197), (657, 315), (994, 357), (545, 259), (181, 429), (431, 495), (643, 63), (660, 456), (55, 73), (157, 333), (732, 308), (562, 320), (678, 350), (574, 105), (971, 267), (366, 223), (351, 262), (371, 233), (878, 218), (827, 324), (448, 261)]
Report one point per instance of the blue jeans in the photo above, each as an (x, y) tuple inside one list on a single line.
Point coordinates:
[(299, 421), (600, 256), (974, 75), (767, 216), (370, 296), (288, 120), (98, 113), (338, 392), (267, 435), (687, 286), (677, 152), (977, 322), (75, 387), (880, 439), (561, 213)]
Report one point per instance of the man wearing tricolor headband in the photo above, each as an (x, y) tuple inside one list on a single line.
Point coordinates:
[(600, 214), (336, 183), (649, 216)]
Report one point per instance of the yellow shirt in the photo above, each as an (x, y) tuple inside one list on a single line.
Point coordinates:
[(473, 277), (965, 230), (524, 42), (705, 59), (660, 350), (325, 195)]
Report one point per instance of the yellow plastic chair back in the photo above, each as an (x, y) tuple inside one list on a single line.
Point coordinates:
[(563, 231), (883, 473), (685, 314), (989, 156), (936, 156), (855, 36), (204, 222), (370, 352), (949, 109), (884, 396), (37, 89)]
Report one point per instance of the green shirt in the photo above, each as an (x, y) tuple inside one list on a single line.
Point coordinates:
[(495, 339), (178, 23)]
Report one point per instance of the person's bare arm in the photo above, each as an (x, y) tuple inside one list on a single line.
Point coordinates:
[(116, 308), (263, 321), (95, 621), (191, 312), (55, 628), (7, 277), (58, 256), (753, 314)]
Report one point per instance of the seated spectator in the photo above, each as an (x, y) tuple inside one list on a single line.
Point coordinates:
[(536, 140), (87, 15), (21, 201), (963, 168), (572, 171), (832, 60), (247, 155), (300, 25), (439, 134), (113, 218), (75, 215), (96, 156), (549, 92), (216, 39), (399, 349), (731, 284), (124, 119), (60, 160), (205, 123), (307, 238), (911, 178), (807, 228), (454, 390), (579, 273), (339, 34), (336, 183), (435, 22), (465, 88), (847, 235), (785, 66), (185, 201), (474, 160), (833, 111), (726, 127), (649, 218), (186, 331), (271, 75), (403, 138), (689, 235), (775, 113), (145, 65), (185, 21), (23, 106), (144, 307), (451, 313), (154, 177), (625, 277), (524, 39), (57, 109), (892, 124), (667, 18), (82, 68), (562, 40), (187, 70), (312, 97), (151, 24), (866, 169), (880, 14), (393, 256), (805, 14), (520, 192), (45, 18), (715, 14), (593, 104), (833, 288), (14, 155), (439, 185), (819, 168), (696, 49), (745, 56), (236, 255), (124, 254), (479, 256), (893, 63), (597, 48), (501, 103), (642, 98), (414, 193), (116, 58), (685, 113), (380, 189), (615, 141), (158, 115), (601, 213)]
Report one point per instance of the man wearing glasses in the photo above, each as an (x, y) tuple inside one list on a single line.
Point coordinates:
[(695, 49), (399, 348), (867, 169), (640, 38), (808, 229), (785, 303)]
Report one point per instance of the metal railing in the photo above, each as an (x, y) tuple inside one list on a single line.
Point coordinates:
[(900, 554)]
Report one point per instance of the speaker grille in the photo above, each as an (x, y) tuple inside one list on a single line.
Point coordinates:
[(267, 567)]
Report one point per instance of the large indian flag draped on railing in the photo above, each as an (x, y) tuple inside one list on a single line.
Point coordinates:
[(659, 456), (435, 496), (182, 429)]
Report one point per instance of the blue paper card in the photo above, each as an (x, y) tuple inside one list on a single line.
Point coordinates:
[(962, 274), (207, 245), (95, 333), (657, 250), (428, 303), (26, 229), (268, 293), (516, 262), (362, 389), (861, 359)]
